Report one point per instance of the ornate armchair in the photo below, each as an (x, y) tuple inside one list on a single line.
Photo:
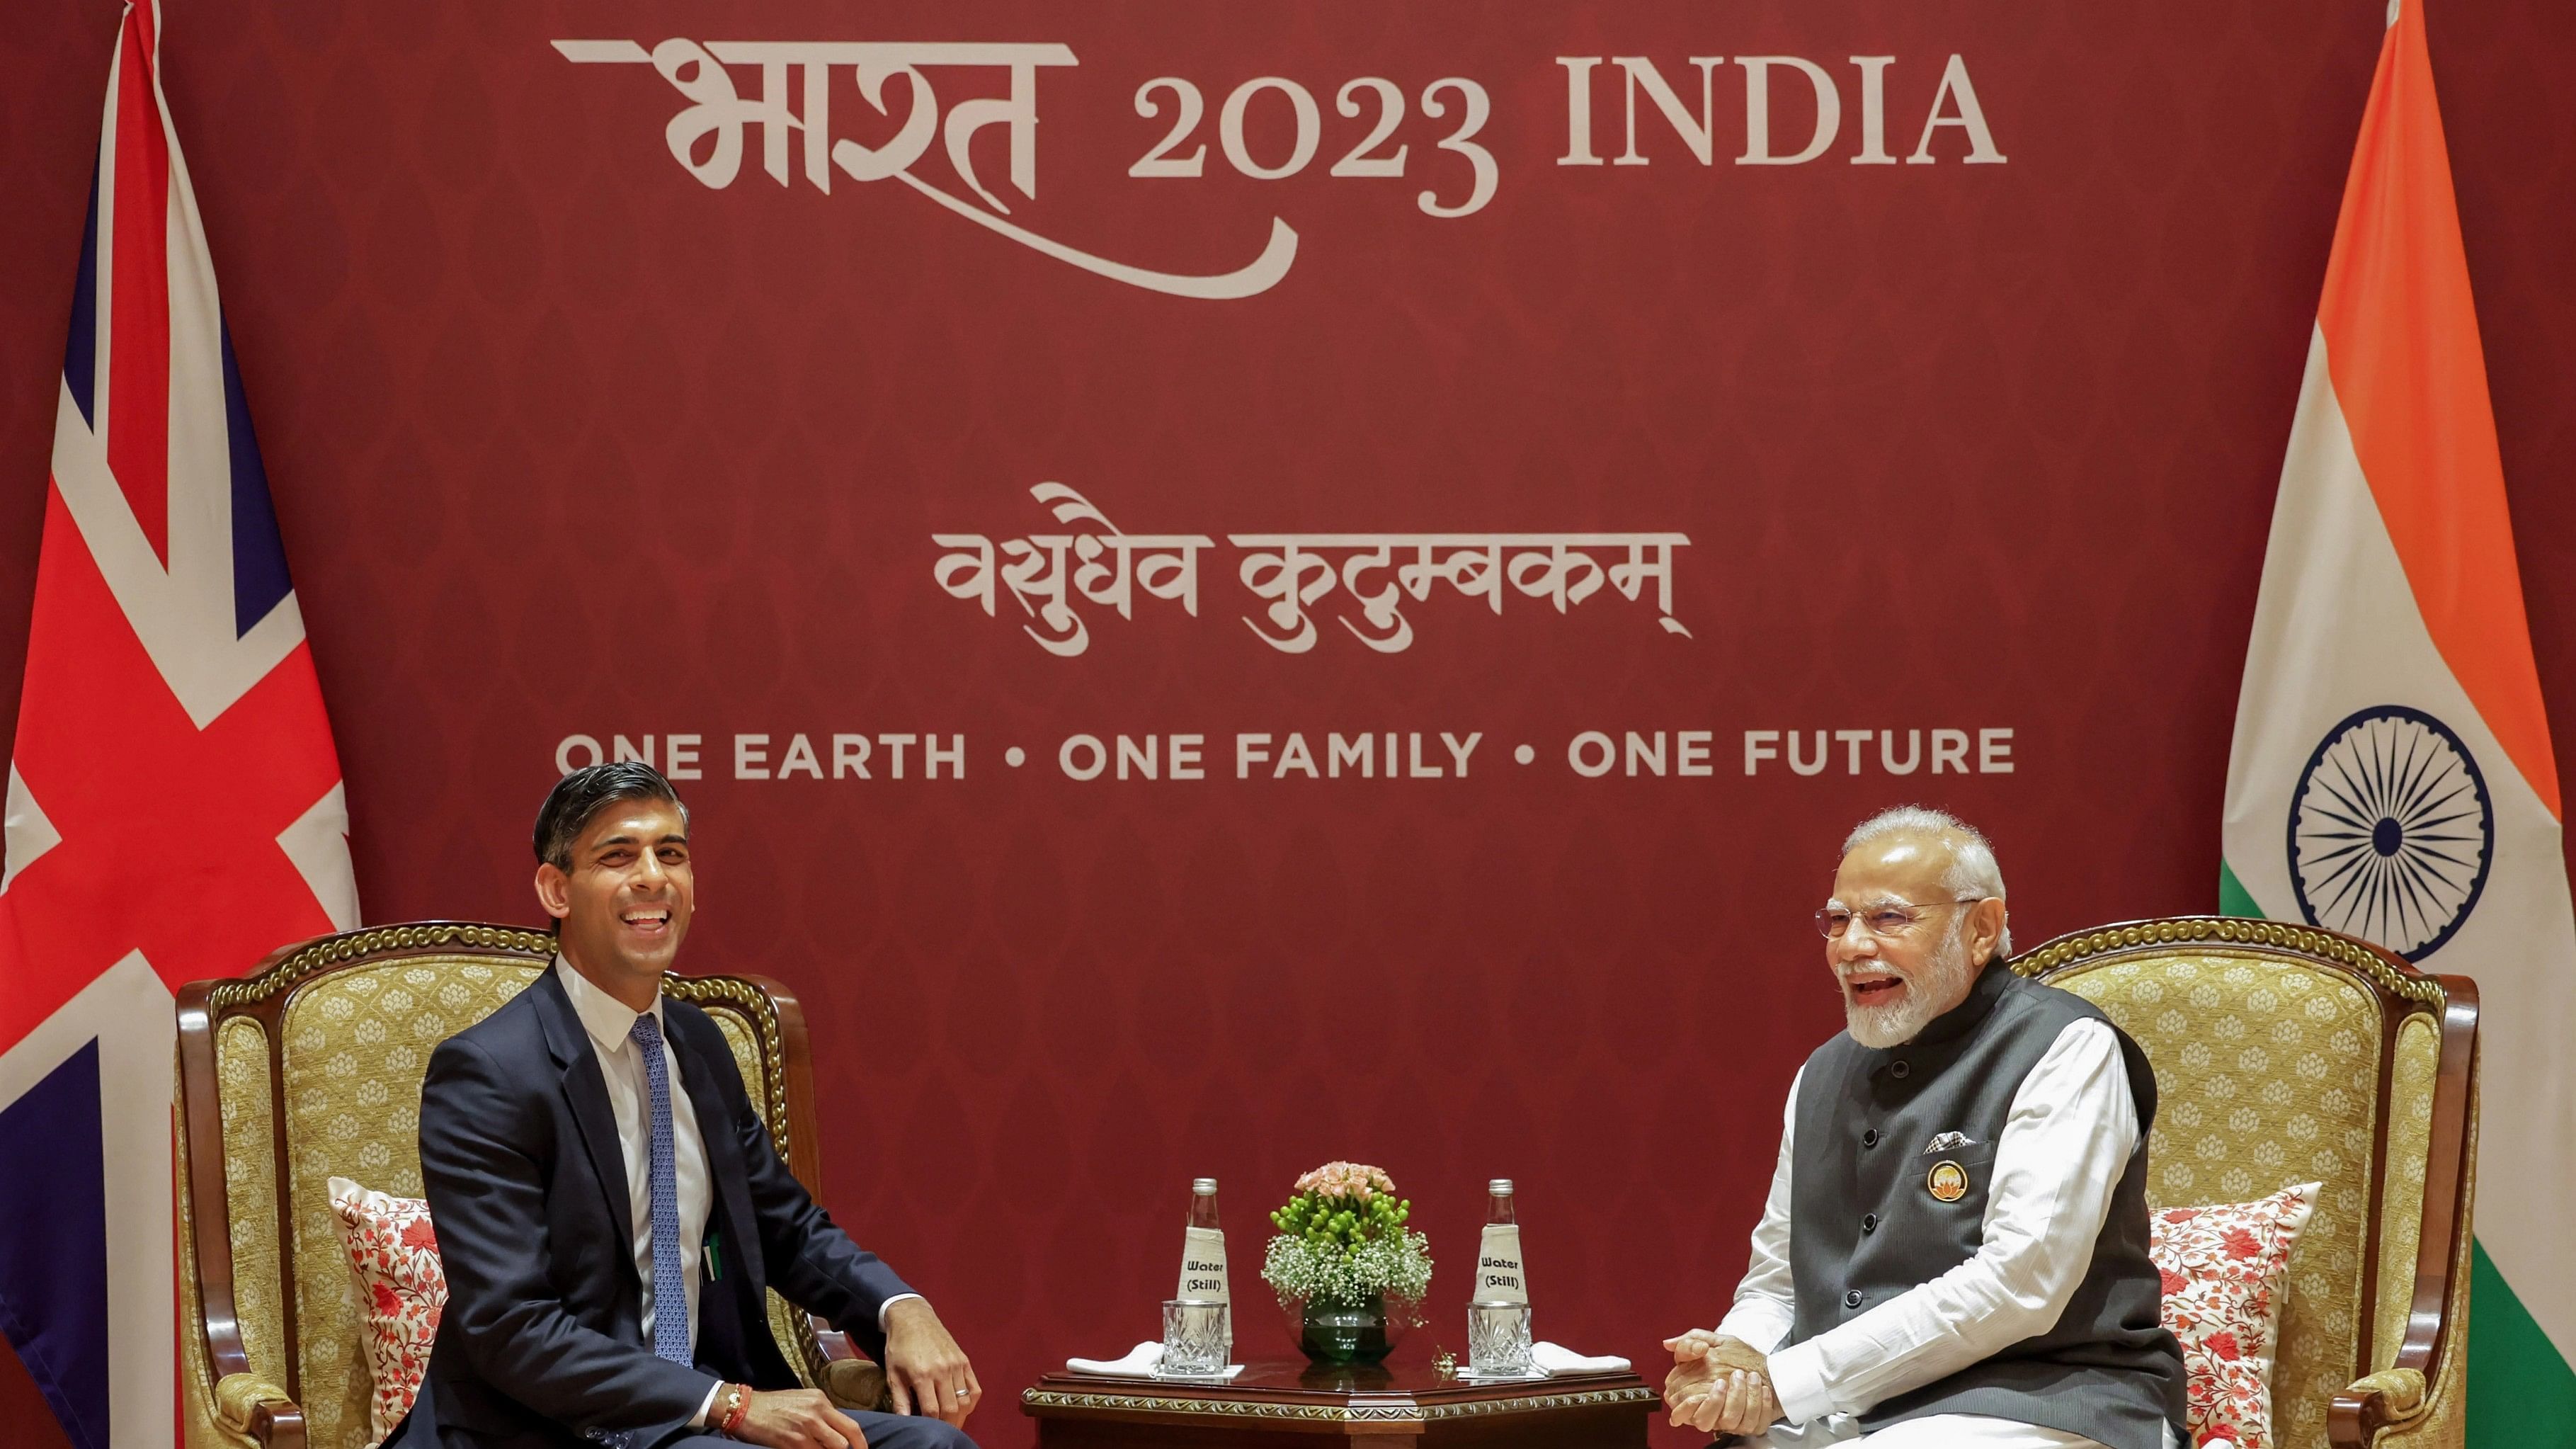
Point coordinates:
[(311, 1067), (2284, 1054)]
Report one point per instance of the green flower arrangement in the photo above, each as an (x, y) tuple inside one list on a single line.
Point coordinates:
[(1342, 1245)]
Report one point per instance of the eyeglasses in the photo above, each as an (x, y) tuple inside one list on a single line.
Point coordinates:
[(1892, 919)]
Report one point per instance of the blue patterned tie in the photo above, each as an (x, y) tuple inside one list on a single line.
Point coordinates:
[(670, 1296)]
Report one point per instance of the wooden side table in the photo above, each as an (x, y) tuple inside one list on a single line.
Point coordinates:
[(1290, 1406)]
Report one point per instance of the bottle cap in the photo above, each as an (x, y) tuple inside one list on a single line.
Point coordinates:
[(1499, 1185), (1203, 1184)]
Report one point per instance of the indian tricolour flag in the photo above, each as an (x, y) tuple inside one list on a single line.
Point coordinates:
[(2391, 775)]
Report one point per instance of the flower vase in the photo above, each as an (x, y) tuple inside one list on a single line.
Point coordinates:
[(1333, 1335)]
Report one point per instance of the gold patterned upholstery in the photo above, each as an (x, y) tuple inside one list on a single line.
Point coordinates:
[(311, 1068), (2276, 1049)]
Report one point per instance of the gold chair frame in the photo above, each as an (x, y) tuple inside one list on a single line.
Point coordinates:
[(2418, 1397)]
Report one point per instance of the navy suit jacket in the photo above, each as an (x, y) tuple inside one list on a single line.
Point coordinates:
[(542, 1340)]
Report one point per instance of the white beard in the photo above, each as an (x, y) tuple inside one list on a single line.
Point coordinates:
[(1896, 1023)]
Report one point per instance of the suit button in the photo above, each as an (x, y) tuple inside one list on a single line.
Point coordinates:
[(1899, 1070), (1852, 1299), (1869, 1138), (1869, 1222)]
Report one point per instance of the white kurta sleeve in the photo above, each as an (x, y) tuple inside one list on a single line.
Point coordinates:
[(2064, 1145), (1765, 1303)]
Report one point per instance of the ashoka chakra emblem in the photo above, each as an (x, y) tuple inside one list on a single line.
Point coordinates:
[(2391, 831)]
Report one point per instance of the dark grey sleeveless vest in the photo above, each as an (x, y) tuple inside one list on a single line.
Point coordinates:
[(1869, 1219)]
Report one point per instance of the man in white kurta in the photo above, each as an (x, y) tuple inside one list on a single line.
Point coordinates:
[(1975, 1220)]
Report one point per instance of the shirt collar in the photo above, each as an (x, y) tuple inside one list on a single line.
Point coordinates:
[(604, 1017)]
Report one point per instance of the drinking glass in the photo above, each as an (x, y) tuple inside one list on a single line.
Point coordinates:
[(1193, 1338), (1498, 1339)]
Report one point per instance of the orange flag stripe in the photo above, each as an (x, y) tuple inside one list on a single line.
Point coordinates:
[(2402, 345)]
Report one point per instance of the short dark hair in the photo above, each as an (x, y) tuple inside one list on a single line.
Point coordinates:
[(577, 799)]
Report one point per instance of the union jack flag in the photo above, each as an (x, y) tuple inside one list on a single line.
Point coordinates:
[(174, 808)]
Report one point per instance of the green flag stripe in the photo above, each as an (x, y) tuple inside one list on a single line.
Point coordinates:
[(2232, 899), (2522, 1395)]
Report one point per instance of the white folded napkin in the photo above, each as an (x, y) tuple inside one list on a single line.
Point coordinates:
[(1139, 1363), (1550, 1359)]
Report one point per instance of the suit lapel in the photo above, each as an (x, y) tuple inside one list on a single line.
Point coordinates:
[(724, 1150), (587, 1089)]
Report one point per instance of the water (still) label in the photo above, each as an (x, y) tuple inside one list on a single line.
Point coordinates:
[(1498, 1266), (1203, 1270)]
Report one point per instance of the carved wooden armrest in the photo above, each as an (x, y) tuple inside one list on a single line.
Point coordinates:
[(2392, 1399), (252, 1411), (2392, 1396), (855, 1383), (852, 1382), (2376, 1404)]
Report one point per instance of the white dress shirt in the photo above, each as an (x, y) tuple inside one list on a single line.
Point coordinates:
[(2057, 1161), (609, 1022)]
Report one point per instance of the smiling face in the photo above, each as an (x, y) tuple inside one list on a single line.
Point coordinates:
[(1894, 982), (625, 901)]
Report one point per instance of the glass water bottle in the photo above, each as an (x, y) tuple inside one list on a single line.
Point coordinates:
[(1498, 1314), (1203, 1274)]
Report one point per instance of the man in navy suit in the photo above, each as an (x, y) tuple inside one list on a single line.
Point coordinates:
[(609, 1208)]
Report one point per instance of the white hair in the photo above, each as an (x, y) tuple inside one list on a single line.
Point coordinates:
[(1973, 873)]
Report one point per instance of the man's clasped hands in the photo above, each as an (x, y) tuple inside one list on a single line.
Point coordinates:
[(1719, 1384)]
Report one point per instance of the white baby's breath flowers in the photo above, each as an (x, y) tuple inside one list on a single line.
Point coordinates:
[(1395, 1266)]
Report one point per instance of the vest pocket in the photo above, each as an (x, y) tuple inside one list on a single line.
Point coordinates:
[(1958, 1176)]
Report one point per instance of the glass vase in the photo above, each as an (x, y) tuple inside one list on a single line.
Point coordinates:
[(1335, 1334)]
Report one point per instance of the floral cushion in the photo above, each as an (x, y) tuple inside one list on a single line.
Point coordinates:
[(2225, 1277), (401, 1289)]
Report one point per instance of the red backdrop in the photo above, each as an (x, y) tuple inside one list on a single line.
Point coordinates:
[(565, 442)]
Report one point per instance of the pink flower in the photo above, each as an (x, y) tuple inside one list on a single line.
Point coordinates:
[(1346, 1181)]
